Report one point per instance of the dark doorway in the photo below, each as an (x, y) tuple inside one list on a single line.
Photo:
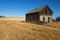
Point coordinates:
[(48, 19), (43, 19)]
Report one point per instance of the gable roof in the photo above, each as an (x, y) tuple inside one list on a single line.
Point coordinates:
[(38, 9)]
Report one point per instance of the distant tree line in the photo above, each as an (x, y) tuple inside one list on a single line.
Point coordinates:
[(2, 16), (58, 18)]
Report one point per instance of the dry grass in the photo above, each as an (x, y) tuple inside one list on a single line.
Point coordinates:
[(18, 30)]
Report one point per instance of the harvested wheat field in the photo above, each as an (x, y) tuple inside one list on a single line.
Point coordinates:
[(19, 30)]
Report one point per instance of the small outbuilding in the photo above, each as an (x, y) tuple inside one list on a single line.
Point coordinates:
[(41, 14)]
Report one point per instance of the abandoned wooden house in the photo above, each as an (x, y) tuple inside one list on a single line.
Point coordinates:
[(41, 14)]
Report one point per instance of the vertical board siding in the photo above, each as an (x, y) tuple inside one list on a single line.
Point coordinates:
[(33, 17)]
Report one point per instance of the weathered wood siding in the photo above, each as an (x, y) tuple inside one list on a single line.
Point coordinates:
[(34, 17), (46, 13), (43, 12)]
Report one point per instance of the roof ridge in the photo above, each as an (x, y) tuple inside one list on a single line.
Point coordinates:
[(37, 9)]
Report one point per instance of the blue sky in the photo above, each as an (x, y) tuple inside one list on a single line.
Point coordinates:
[(18, 8)]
